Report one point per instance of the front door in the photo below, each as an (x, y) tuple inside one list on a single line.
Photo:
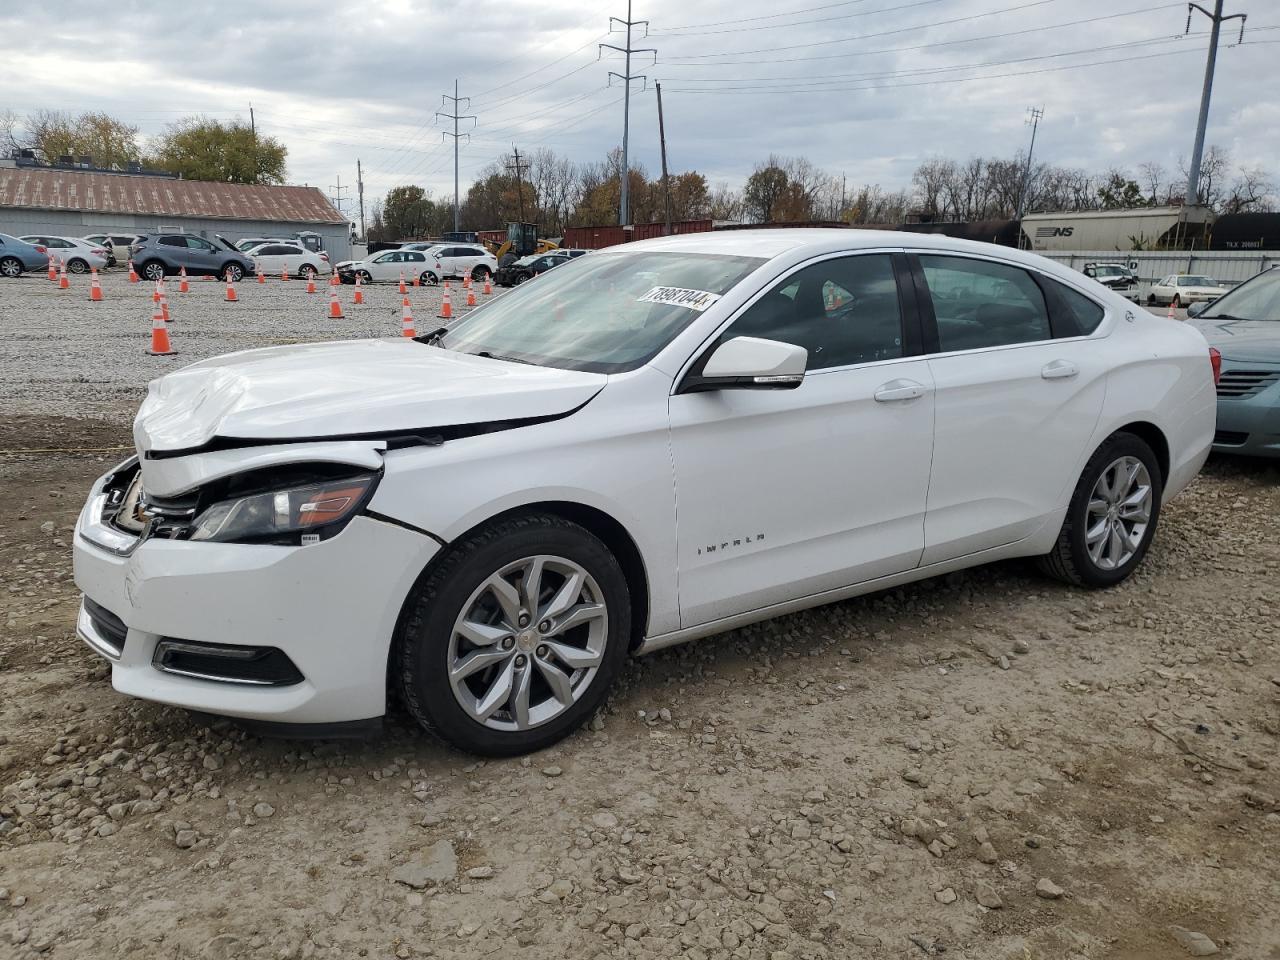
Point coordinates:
[(783, 494), (1019, 392)]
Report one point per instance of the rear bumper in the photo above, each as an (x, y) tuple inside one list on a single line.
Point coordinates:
[(330, 607)]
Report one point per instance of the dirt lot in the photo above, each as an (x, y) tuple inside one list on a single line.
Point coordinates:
[(984, 765)]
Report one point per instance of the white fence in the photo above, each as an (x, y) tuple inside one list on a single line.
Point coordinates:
[(1229, 267)]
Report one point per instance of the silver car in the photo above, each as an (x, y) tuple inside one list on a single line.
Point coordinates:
[(80, 256)]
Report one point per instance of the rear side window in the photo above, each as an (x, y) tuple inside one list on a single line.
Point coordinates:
[(980, 304), (174, 241), (1078, 314)]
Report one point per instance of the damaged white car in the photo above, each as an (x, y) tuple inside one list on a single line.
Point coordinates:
[(648, 445)]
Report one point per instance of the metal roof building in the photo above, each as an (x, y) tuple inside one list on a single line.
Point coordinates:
[(70, 202)]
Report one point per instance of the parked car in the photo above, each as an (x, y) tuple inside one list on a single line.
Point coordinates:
[(1243, 326), (389, 266), (275, 257), (461, 260), (485, 515), (79, 256), (1116, 276), (527, 268), (116, 244), (1180, 289), (18, 256), (165, 254)]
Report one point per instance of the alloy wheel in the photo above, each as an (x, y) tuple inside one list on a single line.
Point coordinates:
[(1118, 513), (10, 268), (527, 643), (154, 271)]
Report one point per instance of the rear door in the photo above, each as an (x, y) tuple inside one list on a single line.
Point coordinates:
[(272, 258), (1019, 388), (173, 247), (203, 255)]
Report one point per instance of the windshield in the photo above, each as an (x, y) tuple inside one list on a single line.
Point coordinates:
[(1256, 299), (244, 245), (606, 313), (1109, 271), (1190, 281)]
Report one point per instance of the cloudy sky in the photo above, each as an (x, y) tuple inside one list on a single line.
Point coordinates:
[(866, 88)]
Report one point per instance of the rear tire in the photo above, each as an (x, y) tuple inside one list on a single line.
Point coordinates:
[(457, 590), (1077, 557), (307, 272), (152, 270), (11, 267)]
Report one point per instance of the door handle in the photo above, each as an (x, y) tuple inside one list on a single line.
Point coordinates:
[(1059, 370), (897, 390)]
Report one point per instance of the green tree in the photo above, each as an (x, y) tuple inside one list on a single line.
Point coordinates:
[(202, 149), (1121, 193), (409, 213)]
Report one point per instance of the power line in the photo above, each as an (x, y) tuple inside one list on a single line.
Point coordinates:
[(768, 16), (626, 79), (455, 117), (670, 33)]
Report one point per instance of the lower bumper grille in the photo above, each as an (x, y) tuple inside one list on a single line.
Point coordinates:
[(1245, 383), (1230, 438), (101, 629), (226, 663)]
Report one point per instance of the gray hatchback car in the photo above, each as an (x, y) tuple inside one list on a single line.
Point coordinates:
[(165, 254), (17, 256)]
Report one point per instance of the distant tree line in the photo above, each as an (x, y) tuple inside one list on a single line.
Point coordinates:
[(195, 147), (556, 192)]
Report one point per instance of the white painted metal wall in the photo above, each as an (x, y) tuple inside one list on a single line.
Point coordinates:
[(1229, 267)]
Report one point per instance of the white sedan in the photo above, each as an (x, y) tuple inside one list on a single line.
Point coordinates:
[(80, 256), (487, 515), (389, 266), (274, 258), (1180, 289)]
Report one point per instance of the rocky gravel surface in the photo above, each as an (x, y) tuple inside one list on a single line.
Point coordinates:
[(983, 765), (62, 355)]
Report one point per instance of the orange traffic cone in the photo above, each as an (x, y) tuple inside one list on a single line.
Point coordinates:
[(333, 279), (402, 289), (133, 274), (471, 298), (359, 297), (417, 281), (446, 308), (488, 287), (95, 288), (183, 286), (284, 272), (160, 346), (261, 277), (63, 282), (1171, 315), (155, 292), (311, 284), (406, 320), (467, 282), (335, 308), (231, 291), (164, 301), (53, 271)]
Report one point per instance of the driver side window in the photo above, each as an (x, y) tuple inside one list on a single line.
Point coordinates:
[(844, 311)]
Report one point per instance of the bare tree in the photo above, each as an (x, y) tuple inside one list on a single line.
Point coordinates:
[(1252, 191), (930, 180)]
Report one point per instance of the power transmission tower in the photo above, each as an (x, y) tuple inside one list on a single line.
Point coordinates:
[(626, 79), (1197, 152), (337, 189), (455, 117), (519, 172), (662, 141), (360, 194), (1034, 114)]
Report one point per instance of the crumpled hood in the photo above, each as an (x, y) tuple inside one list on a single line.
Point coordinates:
[(347, 388), (1252, 340)]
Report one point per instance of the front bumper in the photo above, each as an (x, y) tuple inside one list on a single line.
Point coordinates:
[(331, 607), (1249, 424)]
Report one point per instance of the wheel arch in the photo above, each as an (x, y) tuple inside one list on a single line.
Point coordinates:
[(1154, 438)]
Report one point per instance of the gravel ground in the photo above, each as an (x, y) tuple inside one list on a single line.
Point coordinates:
[(64, 356), (983, 765)]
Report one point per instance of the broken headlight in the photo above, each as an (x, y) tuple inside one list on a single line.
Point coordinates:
[(290, 515)]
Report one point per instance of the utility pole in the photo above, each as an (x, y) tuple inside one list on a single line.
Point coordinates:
[(626, 79), (455, 117), (337, 189), (662, 140), (1197, 152), (1033, 120), (360, 194), (519, 177), (253, 132)]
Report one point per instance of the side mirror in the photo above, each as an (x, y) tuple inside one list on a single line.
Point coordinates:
[(1197, 308), (750, 363)]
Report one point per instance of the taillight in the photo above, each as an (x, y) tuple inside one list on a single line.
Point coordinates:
[(1215, 361), (324, 257), (99, 253), (40, 249)]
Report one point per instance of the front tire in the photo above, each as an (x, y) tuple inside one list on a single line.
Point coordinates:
[(233, 273), (429, 279), (479, 272), (77, 266), (1176, 302), (513, 640), (1112, 516), (308, 272)]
